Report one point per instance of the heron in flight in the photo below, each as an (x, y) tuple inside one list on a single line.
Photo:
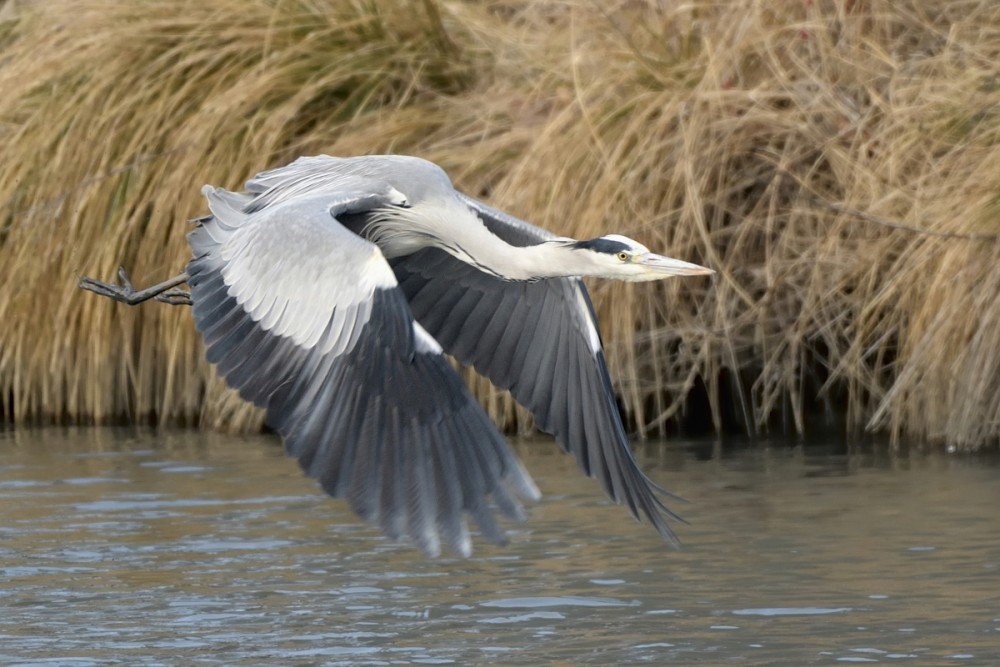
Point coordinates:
[(328, 294)]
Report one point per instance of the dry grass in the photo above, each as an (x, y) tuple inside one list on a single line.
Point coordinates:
[(838, 163)]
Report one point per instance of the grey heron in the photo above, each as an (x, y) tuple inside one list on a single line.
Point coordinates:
[(328, 294)]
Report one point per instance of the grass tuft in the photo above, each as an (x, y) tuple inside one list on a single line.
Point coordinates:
[(837, 163)]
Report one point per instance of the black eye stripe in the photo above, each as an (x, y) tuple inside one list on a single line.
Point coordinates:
[(603, 245)]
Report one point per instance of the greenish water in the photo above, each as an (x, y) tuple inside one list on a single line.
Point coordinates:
[(184, 548)]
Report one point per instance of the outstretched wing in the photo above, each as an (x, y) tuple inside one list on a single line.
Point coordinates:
[(306, 320), (540, 341)]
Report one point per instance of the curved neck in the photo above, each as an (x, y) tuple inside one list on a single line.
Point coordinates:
[(550, 259), (470, 241)]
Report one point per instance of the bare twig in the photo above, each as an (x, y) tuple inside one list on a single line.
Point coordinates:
[(874, 219)]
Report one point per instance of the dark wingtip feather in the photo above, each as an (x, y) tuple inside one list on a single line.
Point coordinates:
[(541, 349)]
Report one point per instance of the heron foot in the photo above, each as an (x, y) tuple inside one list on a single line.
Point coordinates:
[(125, 291), (175, 297)]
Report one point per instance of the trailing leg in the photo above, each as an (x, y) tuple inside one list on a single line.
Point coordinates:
[(167, 291)]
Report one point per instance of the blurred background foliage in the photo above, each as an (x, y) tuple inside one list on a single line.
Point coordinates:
[(838, 164)]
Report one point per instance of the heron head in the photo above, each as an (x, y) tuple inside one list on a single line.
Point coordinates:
[(620, 257)]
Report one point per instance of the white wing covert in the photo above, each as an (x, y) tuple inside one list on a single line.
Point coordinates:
[(306, 320)]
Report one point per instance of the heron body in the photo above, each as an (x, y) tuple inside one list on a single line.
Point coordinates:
[(328, 294)]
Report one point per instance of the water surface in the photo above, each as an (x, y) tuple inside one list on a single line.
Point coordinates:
[(183, 548)]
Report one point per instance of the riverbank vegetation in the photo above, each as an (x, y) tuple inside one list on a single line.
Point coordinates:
[(838, 164)]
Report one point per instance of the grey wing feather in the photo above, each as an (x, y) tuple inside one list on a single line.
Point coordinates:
[(540, 341), (513, 230), (305, 319), (338, 180)]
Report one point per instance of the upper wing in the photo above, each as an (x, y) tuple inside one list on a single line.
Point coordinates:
[(305, 319), (540, 341)]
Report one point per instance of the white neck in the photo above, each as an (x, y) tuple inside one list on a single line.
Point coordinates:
[(545, 260), (470, 241)]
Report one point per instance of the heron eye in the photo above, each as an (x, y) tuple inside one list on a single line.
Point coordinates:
[(623, 256)]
